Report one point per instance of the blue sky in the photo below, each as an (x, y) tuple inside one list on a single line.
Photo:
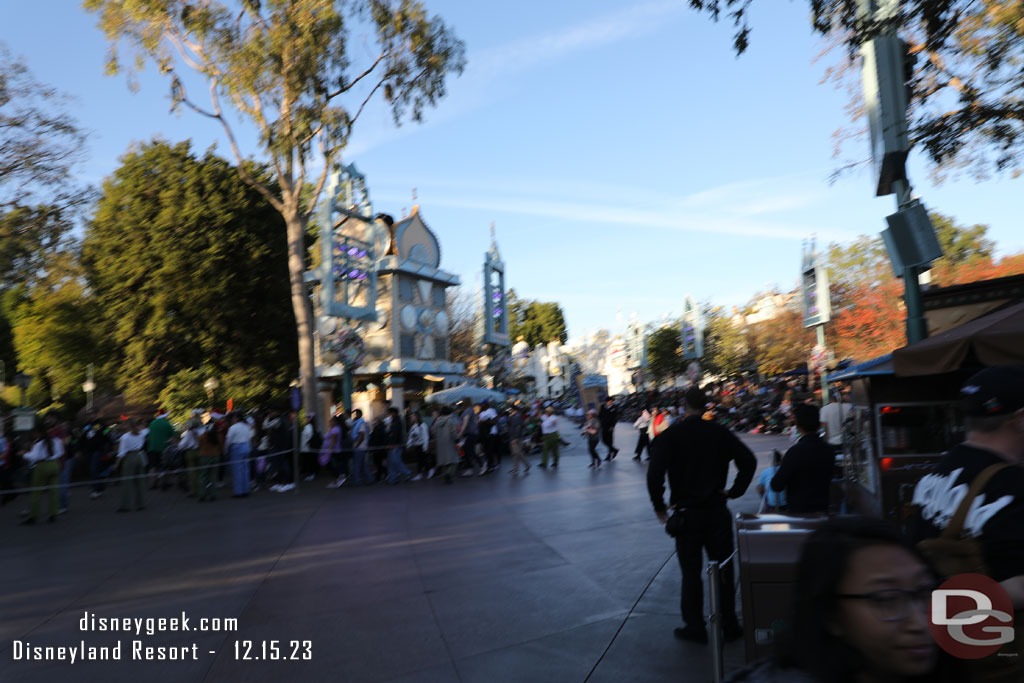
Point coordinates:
[(625, 154)]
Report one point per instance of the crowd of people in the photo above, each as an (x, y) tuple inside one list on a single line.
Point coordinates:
[(254, 451), (248, 452)]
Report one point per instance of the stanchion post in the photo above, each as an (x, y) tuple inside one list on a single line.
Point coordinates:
[(715, 637)]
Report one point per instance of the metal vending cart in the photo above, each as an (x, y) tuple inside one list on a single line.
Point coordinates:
[(898, 429), (769, 546)]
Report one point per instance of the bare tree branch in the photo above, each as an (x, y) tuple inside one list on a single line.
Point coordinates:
[(358, 78)]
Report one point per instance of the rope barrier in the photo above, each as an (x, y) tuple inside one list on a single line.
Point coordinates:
[(219, 463), (150, 475)]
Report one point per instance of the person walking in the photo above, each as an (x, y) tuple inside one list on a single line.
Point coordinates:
[(592, 432), (310, 442), (131, 460), (659, 423), (397, 470), (360, 440), (515, 440), (549, 437), (416, 443), (695, 454), (643, 441), (608, 417), (44, 458), (487, 426), (331, 452), (446, 431), (238, 446), (468, 433)]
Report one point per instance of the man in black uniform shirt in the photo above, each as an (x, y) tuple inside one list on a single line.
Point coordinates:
[(993, 402), (608, 416), (806, 470), (696, 455)]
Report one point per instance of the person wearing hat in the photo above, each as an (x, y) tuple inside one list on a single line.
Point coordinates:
[(993, 404), (696, 455)]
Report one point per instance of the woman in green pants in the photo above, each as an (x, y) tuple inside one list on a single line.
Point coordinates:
[(131, 457), (45, 456)]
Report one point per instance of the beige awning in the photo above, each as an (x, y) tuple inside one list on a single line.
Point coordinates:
[(994, 339)]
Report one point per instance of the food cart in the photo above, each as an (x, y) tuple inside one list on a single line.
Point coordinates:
[(897, 430)]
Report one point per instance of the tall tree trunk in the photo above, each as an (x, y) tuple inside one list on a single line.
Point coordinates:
[(302, 308)]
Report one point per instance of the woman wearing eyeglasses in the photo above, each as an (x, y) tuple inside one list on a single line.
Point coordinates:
[(860, 612)]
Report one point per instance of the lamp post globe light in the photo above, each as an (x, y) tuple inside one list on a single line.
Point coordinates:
[(23, 382), (211, 385), (88, 387)]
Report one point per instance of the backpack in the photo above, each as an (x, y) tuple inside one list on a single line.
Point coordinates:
[(952, 552)]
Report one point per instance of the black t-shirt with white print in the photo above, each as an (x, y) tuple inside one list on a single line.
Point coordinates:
[(996, 516)]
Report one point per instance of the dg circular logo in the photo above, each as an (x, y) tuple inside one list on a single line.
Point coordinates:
[(971, 616)]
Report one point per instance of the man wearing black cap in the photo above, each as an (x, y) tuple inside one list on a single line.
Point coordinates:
[(993, 402), (696, 454), (806, 470)]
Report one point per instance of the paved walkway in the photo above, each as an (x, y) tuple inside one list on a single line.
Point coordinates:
[(560, 575)]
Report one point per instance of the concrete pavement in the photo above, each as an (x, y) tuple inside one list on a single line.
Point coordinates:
[(558, 575)]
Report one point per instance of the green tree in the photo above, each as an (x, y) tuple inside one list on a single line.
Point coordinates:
[(966, 82), (665, 354), (55, 334), (188, 268), (961, 244), (540, 322), (726, 349), (284, 65)]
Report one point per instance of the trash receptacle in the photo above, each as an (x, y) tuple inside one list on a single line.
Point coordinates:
[(769, 549)]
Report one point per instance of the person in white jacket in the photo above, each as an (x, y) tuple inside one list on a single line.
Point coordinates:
[(644, 440), (45, 457), (417, 445)]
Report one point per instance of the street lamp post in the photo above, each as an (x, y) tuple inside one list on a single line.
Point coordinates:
[(22, 381), (210, 385), (89, 386)]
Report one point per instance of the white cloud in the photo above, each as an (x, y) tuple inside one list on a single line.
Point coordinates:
[(733, 209)]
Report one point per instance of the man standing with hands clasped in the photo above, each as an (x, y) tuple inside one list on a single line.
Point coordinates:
[(696, 453)]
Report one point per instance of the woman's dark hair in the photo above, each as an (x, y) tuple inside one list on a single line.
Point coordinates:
[(446, 410), (808, 644)]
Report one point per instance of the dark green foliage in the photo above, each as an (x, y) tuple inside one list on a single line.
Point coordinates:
[(536, 322), (665, 354), (188, 267)]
